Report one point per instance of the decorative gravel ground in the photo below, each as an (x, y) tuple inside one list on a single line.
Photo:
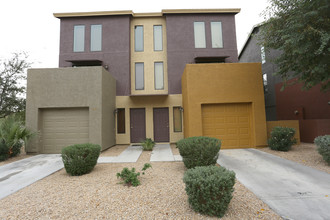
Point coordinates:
[(98, 195), (305, 154)]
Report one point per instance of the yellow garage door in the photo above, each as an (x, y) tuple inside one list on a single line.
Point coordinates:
[(63, 127), (231, 123)]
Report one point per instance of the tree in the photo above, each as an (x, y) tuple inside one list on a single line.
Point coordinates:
[(300, 29), (12, 75)]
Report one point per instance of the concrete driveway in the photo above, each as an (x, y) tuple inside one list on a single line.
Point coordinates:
[(292, 190), (17, 175)]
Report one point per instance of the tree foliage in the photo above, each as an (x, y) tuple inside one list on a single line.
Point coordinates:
[(300, 29), (12, 76)]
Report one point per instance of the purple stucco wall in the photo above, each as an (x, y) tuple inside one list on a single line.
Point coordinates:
[(181, 45), (115, 46)]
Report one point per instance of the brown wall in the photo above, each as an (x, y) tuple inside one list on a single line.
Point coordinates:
[(84, 87), (115, 46), (181, 45), (223, 83), (312, 106)]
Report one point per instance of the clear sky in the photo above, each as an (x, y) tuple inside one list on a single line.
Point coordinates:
[(29, 25)]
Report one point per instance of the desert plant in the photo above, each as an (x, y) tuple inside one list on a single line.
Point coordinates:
[(80, 159), (4, 151), (13, 134), (323, 147), (282, 138), (209, 189), (130, 177), (148, 144), (199, 151)]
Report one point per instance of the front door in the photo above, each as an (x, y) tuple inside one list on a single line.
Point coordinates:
[(137, 124), (161, 125)]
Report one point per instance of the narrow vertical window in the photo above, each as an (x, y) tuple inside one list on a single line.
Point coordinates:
[(216, 35), (263, 55), (158, 38), (139, 76), (138, 37), (121, 121), (177, 119), (159, 75), (79, 38), (264, 79), (96, 37), (199, 33)]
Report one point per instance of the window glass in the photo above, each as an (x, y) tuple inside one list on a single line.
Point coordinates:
[(216, 34), (79, 38), (121, 121), (264, 79), (177, 118), (96, 37), (199, 34), (158, 38), (159, 75), (138, 36), (139, 76), (263, 55)]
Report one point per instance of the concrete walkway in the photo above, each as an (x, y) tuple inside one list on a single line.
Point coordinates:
[(130, 155), (163, 153), (292, 190), (17, 175)]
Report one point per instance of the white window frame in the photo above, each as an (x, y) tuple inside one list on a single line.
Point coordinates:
[(96, 37), (159, 85), (216, 34), (78, 38), (199, 34)]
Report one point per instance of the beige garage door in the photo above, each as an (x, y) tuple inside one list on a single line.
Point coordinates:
[(63, 127), (231, 123)]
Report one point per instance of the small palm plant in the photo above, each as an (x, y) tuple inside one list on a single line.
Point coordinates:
[(13, 134), (148, 144)]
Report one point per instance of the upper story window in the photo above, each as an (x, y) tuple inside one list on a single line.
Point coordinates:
[(96, 37), (159, 75), (263, 55), (158, 38), (79, 38), (138, 38), (199, 34), (139, 76), (216, 35)]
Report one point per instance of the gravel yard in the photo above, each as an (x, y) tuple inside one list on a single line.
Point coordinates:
[(98, 195), (305, 154)]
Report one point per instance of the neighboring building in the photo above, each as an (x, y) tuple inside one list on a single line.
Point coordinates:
[(311, 108), (145, 54)]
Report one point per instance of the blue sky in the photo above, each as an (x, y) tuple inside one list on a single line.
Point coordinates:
[(31, 27)]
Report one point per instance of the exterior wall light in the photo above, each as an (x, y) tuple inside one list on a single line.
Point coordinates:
[(181, 108)]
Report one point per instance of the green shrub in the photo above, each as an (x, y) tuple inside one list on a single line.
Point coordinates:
[(199, 151), (209, 189), (130, 177), (282, 138), (323, 147), (80, 159), (13, 134), (148, 144), (4, 151)]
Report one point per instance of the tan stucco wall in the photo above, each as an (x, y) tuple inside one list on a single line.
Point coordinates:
[(223, 83), (148, 56), (148, 102), (284, 123), (91, 87)]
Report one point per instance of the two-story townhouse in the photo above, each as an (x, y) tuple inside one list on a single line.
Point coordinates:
[(311, 108), (126, 81)]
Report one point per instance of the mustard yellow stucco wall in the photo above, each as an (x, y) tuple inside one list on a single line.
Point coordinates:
[(148, 102), (223, 83), (148, 56), (284, 123)]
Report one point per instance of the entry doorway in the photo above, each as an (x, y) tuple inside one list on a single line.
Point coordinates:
[(161, 125), (137, 125)]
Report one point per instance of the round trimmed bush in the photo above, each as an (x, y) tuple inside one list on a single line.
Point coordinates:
[(199, 151), (282, 138), (80, 159), (323, 147), (209, 189)]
